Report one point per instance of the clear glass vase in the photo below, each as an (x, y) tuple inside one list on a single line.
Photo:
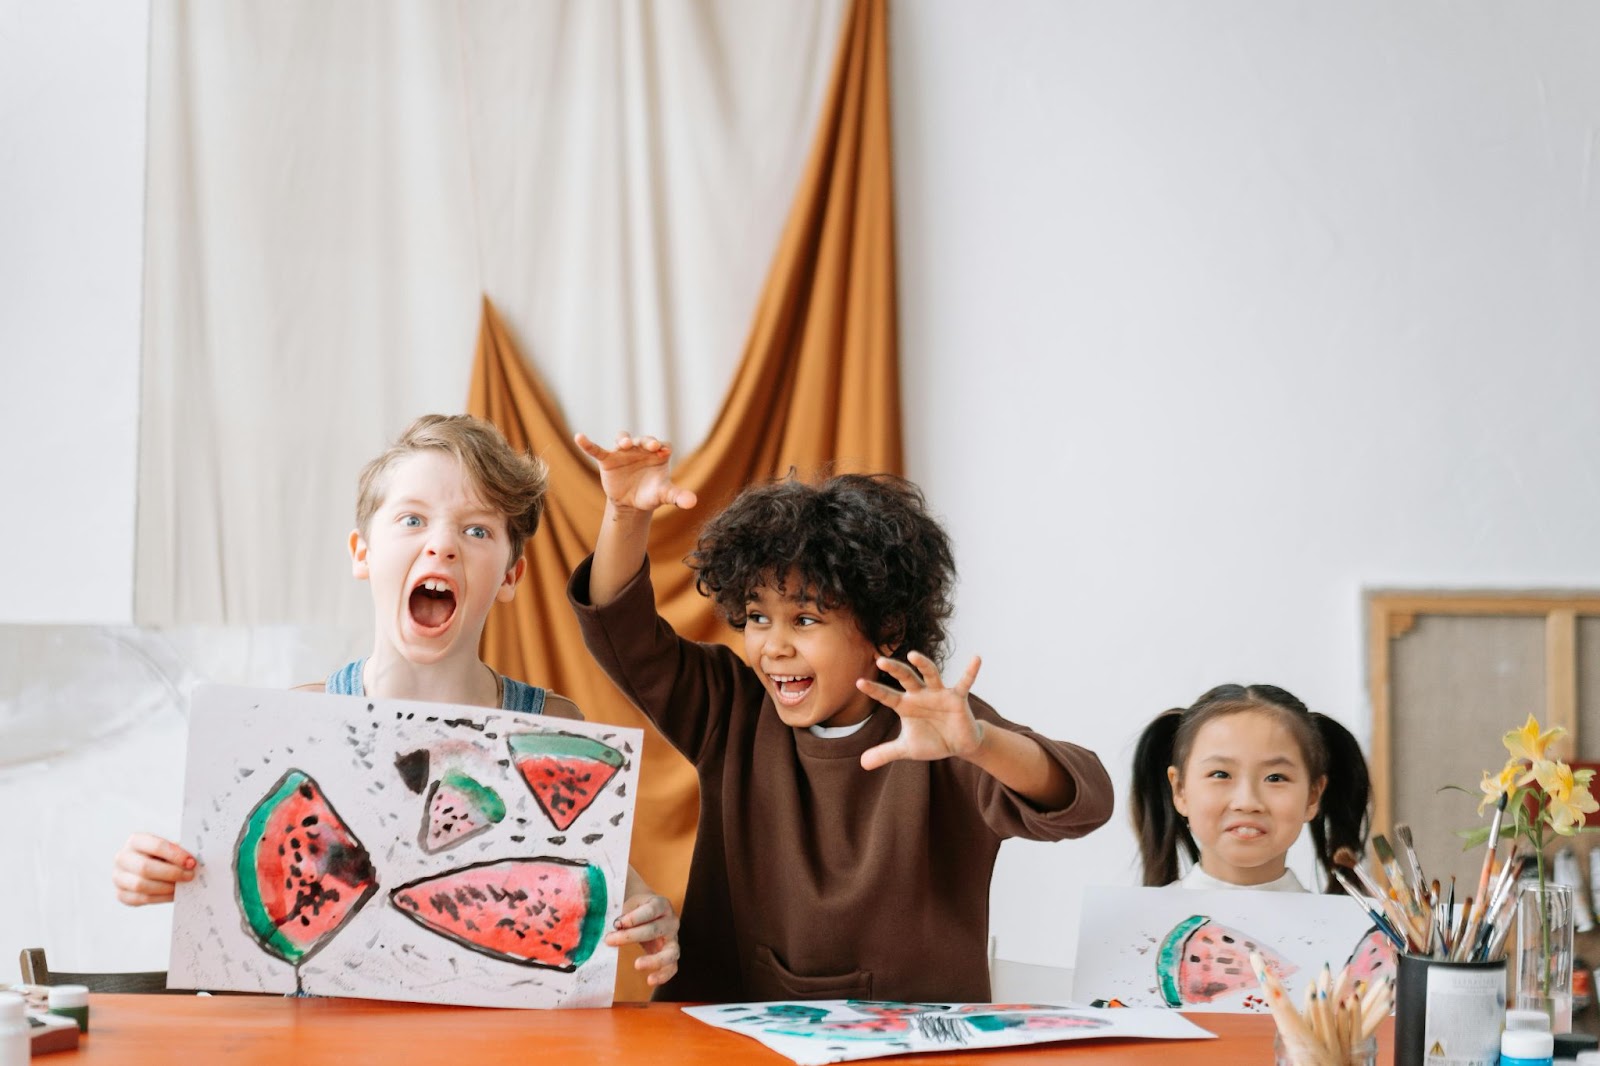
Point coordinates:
[(1544, 952)]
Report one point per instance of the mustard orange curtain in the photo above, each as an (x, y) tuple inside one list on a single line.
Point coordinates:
[(818, 384)]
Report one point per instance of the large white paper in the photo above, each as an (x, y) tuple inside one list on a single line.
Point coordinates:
[(842, 1030), (1176, 947), (432, 853)]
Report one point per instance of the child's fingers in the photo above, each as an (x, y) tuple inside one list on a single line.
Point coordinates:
[(644, 918), (658, 956), (908, 678), (964, 686), (136, 891), (682, 499), (639, 934), (889, 697), (645, 907), (884, 754), (158, 848), (591, 448), (927, 670)]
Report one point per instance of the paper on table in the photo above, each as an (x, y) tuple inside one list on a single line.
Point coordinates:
[(1189, 949), (839, 1030)]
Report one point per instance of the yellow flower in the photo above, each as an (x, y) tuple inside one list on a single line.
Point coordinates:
[(1569, 798), (1528, 743), (1513, 776)]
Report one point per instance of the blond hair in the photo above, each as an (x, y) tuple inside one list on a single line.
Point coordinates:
[(510, 482)]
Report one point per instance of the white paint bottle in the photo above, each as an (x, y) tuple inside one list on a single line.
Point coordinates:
[(16, 1043)]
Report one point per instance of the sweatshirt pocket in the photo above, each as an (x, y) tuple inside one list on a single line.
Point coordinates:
[(772, 979)]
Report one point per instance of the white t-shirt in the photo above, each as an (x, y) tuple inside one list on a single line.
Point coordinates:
[(837, 732), (1198, 878)]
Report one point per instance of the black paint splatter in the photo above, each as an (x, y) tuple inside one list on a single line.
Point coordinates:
[(413, 769)]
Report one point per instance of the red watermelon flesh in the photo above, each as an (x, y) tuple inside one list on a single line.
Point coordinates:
[(1201, 961), (547, 912), (565, 772), (300, 872), (1374, 958)]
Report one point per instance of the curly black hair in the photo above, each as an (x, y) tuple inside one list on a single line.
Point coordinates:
[(864, 542)]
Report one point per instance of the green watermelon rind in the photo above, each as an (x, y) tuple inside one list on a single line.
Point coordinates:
[(247, 877), (564, 745), (1170, 958), (589, 932), (487, 799)]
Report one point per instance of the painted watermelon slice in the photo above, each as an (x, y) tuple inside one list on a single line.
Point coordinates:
[(300, 873), (565, 772), (458, 808), (1374, 958), (547, 912), (1201, 960), (1034, 1023)]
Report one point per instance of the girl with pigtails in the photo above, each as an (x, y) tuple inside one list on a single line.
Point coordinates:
[(1230, 781)]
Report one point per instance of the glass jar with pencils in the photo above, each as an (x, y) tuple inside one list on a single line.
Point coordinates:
[(1363, 1053), (1544, 951)]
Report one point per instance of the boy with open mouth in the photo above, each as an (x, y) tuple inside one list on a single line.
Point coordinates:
[(441, 519), (851, 802)]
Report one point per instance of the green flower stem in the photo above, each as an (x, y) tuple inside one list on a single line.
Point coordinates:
[(1544, 906)]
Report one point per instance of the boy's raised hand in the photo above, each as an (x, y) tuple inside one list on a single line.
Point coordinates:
[(634, 473), (936, 722), (148, 869), (647, 920)]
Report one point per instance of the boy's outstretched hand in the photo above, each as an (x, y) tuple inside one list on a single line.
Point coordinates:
[(935, 722), (148, 869), (634, 473), (647, 920)]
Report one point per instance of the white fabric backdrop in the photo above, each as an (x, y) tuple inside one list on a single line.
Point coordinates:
[(330, 189)]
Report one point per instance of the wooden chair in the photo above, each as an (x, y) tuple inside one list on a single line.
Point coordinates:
[(35, 971)]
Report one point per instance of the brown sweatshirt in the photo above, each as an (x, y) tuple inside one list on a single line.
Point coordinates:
[(811, 877)]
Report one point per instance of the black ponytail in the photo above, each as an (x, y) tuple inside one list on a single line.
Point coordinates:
[(1342, 817), (1161, 830)]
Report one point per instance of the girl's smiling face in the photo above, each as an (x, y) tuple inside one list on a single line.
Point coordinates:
[(1246, 791)]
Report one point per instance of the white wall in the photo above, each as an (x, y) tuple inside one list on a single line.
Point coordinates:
[(72, 104), (1214, 315)]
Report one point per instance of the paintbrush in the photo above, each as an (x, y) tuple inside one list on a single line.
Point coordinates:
[(1408, 852), (1491, 844), (1497, 923), (1397, 878), (1347, 859), (1450, 919), (1379, 919), (1495, 914), (1440, 927)]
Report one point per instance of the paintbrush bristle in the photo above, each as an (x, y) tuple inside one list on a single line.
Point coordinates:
[(1381, 848), (1346, 856), (1403, 832)]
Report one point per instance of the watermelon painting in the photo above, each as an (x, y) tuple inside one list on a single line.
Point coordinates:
[(299, 871), (1201, 960), (1374, 958), (1034, 1023), (458, 808), (565, 772), (545, 912)]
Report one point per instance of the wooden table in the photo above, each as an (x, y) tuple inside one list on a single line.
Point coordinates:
[(203, 1030)]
